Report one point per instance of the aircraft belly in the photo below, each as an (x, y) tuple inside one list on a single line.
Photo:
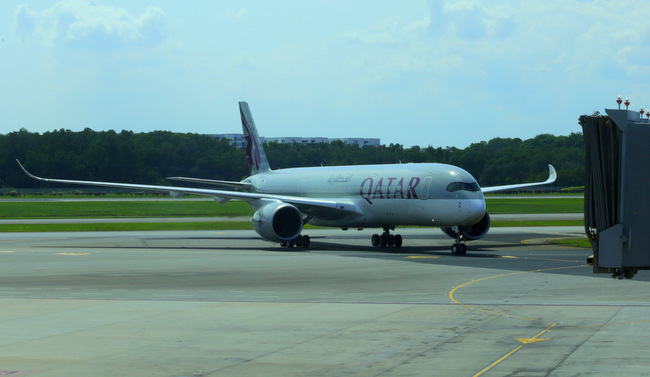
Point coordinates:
[(433, 212)]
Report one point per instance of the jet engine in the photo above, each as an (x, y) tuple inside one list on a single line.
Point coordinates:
[(470, 232), (278, 222)]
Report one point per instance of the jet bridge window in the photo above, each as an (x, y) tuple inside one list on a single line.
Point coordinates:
[(462, 186)]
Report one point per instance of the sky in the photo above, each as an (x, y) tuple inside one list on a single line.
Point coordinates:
[(428, 73)]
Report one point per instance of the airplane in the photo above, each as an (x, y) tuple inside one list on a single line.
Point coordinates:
[(355, 196)]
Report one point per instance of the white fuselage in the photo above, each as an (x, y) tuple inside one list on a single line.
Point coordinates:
[(384, 195)]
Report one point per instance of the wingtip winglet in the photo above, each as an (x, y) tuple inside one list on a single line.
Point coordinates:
[(22, 167), (30, 175), (552, 174)]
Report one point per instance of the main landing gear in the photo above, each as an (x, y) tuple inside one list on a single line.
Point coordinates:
[(386, 239), (300, 241)]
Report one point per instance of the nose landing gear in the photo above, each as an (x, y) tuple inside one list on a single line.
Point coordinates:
[(459, 248)]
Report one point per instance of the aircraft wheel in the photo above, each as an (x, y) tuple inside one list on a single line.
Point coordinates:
[(456, 248), (306, 241), (390, 240), (383, 240), (398, 240), (463, 249), (283, 244), (375, 240)]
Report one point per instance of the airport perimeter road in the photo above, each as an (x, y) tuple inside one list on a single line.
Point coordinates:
[(206, 303)]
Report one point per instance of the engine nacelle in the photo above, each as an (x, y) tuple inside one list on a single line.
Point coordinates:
[(470, 232), (278, 222)]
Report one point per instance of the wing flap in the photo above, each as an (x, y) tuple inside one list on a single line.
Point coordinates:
[(214, 182)]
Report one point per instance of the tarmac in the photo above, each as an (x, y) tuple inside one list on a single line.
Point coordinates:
[(226, 303)]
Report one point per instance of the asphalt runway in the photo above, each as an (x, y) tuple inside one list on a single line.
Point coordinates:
[(208, 303)]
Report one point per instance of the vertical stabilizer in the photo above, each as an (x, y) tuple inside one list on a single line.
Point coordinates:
[(257, 162)]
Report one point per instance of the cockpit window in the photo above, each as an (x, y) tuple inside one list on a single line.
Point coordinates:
[(463, 186)]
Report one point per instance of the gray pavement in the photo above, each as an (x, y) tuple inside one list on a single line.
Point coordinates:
[(208, 303)]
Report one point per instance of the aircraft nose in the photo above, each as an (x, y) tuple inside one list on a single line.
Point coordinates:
[(473, 210)]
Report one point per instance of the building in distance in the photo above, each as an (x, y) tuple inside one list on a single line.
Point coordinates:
[(238, 140)]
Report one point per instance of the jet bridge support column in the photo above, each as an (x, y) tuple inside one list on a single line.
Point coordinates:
[(617, 191)]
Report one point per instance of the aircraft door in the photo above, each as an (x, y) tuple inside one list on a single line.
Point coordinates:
[(301, 187), (424, 191)]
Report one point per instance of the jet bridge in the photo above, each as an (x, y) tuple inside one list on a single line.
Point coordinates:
[(617, 191)]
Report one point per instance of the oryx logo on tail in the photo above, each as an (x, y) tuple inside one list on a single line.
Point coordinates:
[(257, 161)]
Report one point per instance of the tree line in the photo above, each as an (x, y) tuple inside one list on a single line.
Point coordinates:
[(150, 157)]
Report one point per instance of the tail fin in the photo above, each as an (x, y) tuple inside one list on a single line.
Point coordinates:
[(257, 162)]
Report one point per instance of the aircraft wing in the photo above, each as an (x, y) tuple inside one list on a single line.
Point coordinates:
[(306, 205), (552, 176)]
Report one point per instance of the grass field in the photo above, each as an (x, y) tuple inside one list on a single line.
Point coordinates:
[(574, 242), (117, 209), (101, 227), (200, 208), (536, 205)]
